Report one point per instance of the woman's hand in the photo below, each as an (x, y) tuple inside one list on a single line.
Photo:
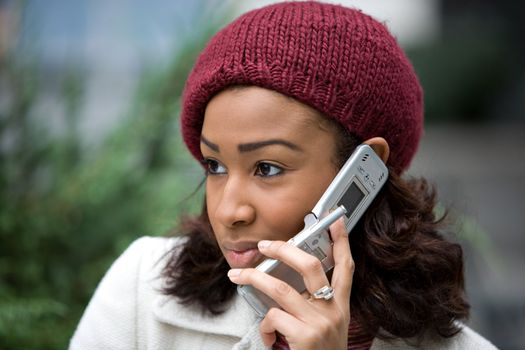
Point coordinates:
[(306, 323)]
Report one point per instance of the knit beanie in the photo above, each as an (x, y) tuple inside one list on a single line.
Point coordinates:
[(337, 60)]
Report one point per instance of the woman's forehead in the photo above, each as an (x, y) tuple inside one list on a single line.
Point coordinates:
[(256, 116)]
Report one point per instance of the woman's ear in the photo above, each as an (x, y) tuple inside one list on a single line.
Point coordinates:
[(380, 146)]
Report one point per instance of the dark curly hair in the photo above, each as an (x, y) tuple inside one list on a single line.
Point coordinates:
[(408, 277)]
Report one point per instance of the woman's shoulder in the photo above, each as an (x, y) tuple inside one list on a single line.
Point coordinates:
[(469, 339), (465, 339), (146, 257), (151, 247), (124, 295)]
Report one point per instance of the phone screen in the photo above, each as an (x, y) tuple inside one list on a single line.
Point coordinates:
[(352, 198)]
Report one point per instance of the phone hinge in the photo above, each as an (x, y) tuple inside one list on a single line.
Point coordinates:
[(309, 220)]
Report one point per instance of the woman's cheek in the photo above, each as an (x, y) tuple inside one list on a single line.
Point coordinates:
[(286, 221)]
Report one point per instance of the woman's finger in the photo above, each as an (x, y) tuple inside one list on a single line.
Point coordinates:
[(303, 335), (344, 264), (307, 265), (281, 292), (276, 320)]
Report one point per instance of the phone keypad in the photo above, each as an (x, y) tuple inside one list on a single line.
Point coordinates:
[(366, 177)]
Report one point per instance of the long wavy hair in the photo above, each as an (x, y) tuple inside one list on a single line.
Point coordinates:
[(408, 276)]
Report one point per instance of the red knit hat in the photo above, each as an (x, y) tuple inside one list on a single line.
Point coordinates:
[(338, 60)]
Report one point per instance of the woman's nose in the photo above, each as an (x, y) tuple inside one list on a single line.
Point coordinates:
[(235, 208)]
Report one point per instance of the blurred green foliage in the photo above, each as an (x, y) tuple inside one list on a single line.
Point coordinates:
[(66, 210)]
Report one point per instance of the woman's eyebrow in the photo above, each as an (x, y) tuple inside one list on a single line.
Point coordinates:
[(252, 146), (211, 145)]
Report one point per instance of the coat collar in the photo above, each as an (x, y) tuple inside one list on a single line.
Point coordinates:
[(236, 321), (239, 320)]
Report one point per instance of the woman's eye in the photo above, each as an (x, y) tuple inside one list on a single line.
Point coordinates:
[(267, 169), (214, 167)]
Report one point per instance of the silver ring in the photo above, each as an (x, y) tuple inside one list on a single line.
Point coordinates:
[(325, 293)]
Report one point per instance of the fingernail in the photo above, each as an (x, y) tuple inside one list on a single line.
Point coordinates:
[(264, 244), (233, 273)]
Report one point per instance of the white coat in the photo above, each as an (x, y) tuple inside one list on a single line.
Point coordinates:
[(128, 311)]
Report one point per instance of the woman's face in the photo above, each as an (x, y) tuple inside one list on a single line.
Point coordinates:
[(269, 160)]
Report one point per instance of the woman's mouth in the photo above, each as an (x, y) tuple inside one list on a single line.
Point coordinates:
[(242, 257)]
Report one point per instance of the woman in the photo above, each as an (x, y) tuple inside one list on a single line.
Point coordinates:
[(275, 104)]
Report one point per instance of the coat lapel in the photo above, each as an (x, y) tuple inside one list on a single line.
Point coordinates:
[(236, 321)]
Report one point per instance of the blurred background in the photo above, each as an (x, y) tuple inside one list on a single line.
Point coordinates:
[(91, 158)]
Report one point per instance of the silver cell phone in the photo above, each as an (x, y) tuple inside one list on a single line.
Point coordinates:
[(349, 195)]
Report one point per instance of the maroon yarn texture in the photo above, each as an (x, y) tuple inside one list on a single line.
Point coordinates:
[(337, 60)]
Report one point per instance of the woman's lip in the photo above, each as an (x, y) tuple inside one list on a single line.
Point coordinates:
[(240, 246), (242, 258)]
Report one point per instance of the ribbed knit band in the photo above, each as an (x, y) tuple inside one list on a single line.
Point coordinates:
[(335, 59)]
